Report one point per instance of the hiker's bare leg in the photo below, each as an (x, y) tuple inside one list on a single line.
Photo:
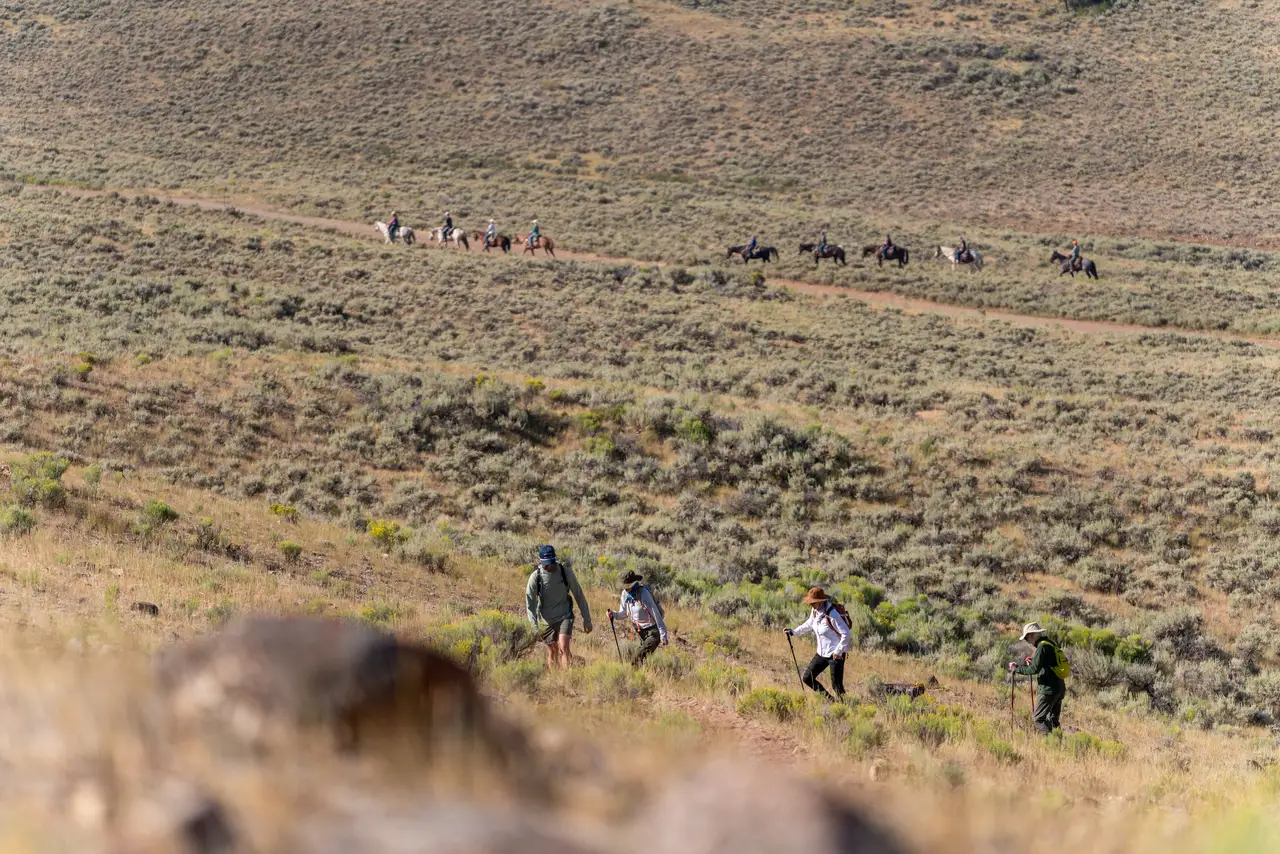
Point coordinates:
[(551, 656), (565, 658)]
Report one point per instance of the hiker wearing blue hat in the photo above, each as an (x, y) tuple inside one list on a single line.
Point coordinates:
[(549, 595)]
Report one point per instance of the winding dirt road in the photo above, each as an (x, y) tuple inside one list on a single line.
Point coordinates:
[(875, 299)]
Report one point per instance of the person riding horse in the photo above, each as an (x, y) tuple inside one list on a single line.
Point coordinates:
[(393, 227), (1075, 256), (534, 235), (448, 227), (887, 248), (962, 251), (822, 245), (491, 234), (751, 246)]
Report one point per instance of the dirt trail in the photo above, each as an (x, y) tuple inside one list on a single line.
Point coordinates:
[(874, 299)]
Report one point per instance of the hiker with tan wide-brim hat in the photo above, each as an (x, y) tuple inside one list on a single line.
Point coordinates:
[(1050, 668), (831, 630)]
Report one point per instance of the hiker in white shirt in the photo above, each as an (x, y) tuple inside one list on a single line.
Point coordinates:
[(637, 604), (832, 634)]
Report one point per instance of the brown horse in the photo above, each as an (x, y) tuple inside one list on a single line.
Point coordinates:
[(542, 243), (500, 241), (835, 253), (897, 253)]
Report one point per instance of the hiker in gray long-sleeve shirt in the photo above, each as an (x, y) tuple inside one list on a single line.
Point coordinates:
[(550, 594)]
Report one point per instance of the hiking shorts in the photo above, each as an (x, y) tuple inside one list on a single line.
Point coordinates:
[(553, 631)]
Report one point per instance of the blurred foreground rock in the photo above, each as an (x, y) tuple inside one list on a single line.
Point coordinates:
[(265, 677), (738, 807), (441, 827), (114, 757)]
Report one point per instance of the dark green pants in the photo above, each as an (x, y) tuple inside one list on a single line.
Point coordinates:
[(1048, 712), (649, 640)]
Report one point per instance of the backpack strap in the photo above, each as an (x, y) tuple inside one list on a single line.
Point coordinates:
[(827, 613)]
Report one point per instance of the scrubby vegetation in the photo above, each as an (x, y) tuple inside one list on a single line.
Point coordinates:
[(206, 413), (940, 477)]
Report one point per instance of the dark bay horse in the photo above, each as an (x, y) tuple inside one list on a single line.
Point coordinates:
[(500, 241), (1087, 266), (898, 253), (762, 253), (835, 253)]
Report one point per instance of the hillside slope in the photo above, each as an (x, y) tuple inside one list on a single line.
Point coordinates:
[(619, 123)]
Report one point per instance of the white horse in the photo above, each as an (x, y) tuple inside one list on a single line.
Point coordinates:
[(950, 253), (457, 237), (405, 233)]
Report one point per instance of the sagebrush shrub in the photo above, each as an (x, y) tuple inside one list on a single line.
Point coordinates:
[(772, 704), (609, 681), (670, 663), (37, 480), (155, 515), (16, 521), (486, 640)]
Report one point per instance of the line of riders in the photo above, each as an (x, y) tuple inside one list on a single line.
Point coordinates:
[(750, 251), (889, 251), (490, 238), (553, 589)]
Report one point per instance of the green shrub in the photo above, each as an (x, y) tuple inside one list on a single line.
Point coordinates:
[(16, 521), (208, 536), (771, 703), (111, 598), (378, 614), (984, 733), (486, 640), (387, 534), (609, 681), (37, 480), (718, 676), (1080, 744), (669, 663), (601, 446), (93, 476), (155, 515), (291, 551), (694, 430), (219, 615), (287, 512), (933, 730), (853, 727), (426, 556), (518, 677)]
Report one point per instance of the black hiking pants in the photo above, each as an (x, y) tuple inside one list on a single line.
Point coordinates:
[(1048, 711), (650, 638), (816, 665)]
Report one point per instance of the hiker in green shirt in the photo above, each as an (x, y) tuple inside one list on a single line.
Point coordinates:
[(550, 594), (1046, 666)]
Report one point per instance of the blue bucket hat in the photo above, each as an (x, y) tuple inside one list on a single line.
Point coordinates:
[(546, 555)]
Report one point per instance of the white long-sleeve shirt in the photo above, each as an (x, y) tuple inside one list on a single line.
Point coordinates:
[(643, 612), (830, 628)]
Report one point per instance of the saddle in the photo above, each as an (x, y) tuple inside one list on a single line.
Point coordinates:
[(965, 257)]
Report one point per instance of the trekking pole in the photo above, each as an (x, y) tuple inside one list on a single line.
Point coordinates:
[(794, 660), (1013, 718), (613, 629)]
